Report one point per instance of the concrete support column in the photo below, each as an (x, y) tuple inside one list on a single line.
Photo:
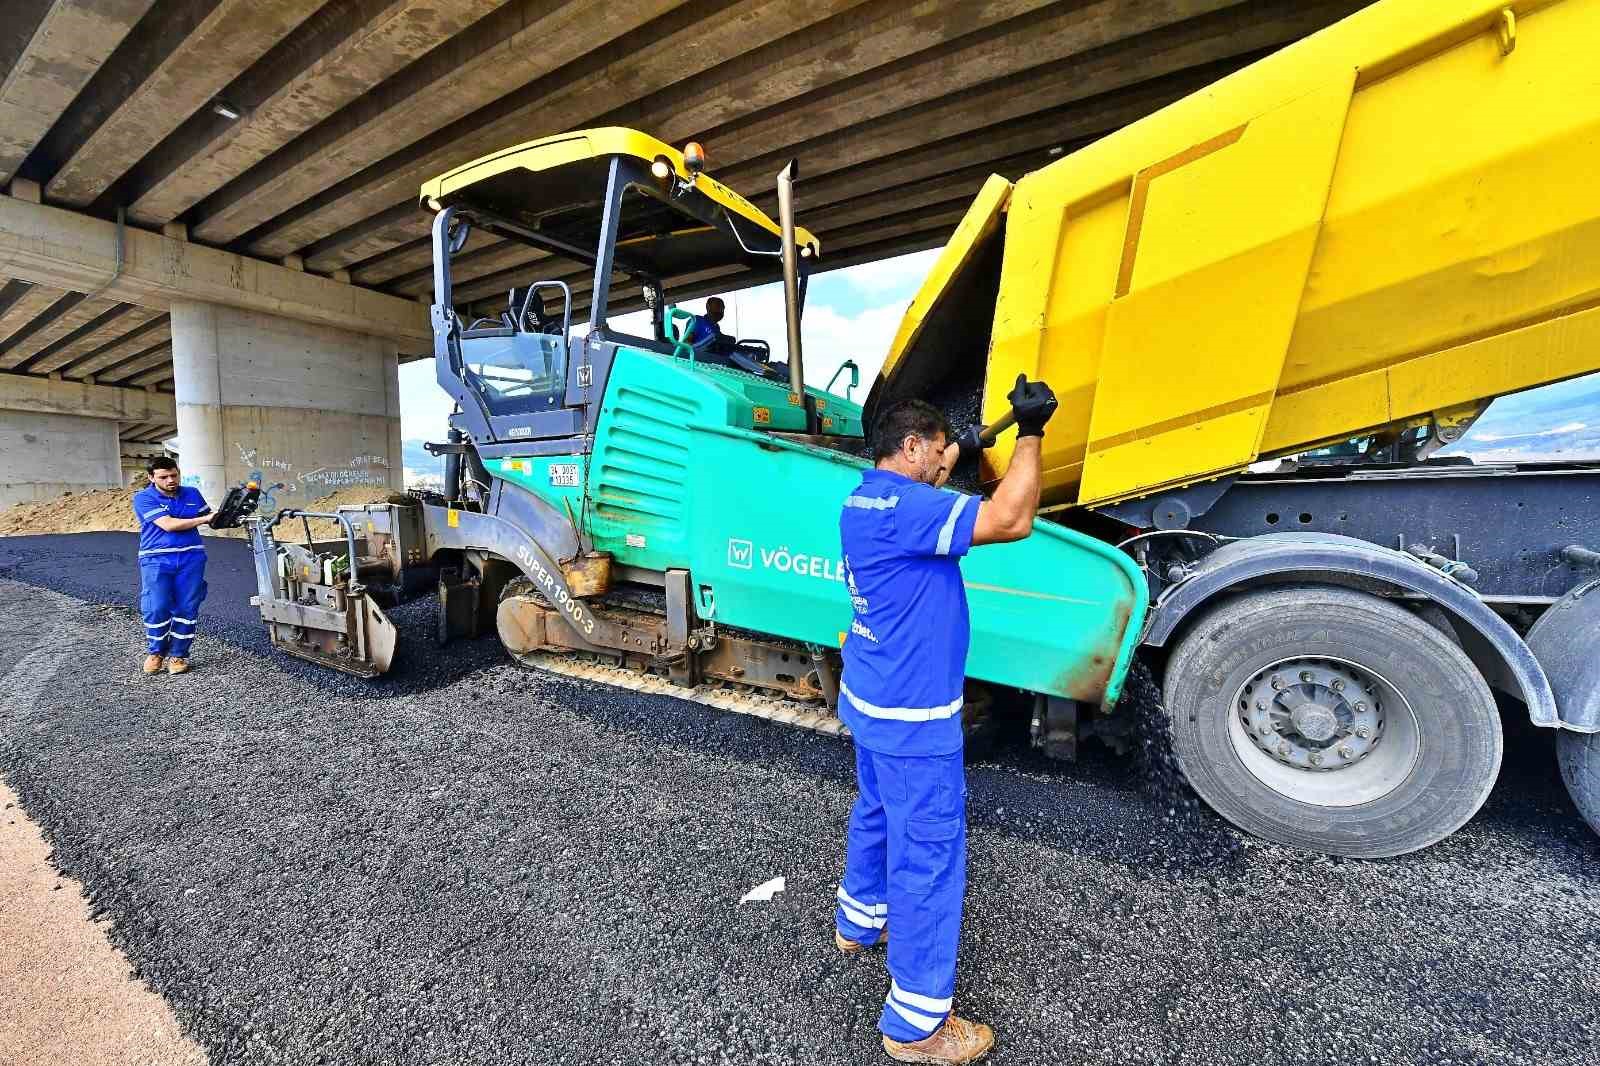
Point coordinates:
[(313, 408), (44, 455)]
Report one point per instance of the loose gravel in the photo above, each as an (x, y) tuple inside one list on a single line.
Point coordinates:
[(470, 862)]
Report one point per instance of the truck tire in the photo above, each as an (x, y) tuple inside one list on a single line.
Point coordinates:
[(1332, 720), (1579, 756)]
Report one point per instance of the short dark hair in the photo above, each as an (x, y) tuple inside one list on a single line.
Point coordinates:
[(903, 418), (160, 462)]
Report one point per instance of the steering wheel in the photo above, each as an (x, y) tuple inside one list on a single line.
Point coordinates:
[(751, 366), (761, 368)]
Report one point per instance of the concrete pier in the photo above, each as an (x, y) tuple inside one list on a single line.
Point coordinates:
[(65, 436), (307, 409), (45, 455)]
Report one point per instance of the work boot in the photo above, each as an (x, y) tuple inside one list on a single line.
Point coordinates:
[(957, 1040), (851, 947), (152, 663), (176, 665)]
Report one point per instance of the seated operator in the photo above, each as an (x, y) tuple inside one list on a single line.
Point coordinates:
[(706, 330)]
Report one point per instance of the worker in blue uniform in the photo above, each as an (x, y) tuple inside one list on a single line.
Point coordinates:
[(706, 329), (172, 565), (901, 695)]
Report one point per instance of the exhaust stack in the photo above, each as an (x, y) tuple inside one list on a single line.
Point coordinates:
[(791, 276)]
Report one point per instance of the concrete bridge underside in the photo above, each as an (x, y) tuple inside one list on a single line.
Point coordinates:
[(264, 159)]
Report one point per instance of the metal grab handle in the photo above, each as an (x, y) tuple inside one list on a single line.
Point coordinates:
[(349, 532), (855, 378)]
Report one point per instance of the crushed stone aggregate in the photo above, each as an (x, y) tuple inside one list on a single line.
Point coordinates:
[(467, 861)]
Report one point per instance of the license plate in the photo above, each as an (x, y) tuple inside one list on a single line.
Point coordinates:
[(564, 475)]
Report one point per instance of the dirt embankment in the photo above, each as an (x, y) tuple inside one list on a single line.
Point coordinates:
[(111, 510)]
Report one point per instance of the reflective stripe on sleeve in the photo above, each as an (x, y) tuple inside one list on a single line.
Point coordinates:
[(948, 532), (902, 714), (169, 551), (148, 515), (872, 503)]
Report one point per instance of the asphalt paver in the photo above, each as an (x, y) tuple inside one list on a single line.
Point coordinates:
[(468, 861)]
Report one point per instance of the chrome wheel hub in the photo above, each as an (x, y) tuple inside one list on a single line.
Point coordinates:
[(1313, 714)]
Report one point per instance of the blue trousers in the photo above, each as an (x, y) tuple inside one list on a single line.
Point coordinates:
[(906, 860), (170, 590)]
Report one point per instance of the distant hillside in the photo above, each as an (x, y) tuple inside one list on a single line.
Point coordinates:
[(1557, 422)]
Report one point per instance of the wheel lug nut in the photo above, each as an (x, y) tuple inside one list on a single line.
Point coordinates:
[(1316, 760), (1283, 749), (1306, 676), (1338, 686), (1363, 732), (1345, 751), (1277, 682), (1361, 708), (1261, 705)]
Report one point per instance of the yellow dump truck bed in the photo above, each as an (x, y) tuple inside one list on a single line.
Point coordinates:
[(1393, 218)]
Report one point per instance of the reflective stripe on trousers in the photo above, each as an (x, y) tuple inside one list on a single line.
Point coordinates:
[(171, 589), (906, 868)]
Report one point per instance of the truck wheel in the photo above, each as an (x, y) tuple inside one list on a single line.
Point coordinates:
[(1579, 756), (1332, 720)]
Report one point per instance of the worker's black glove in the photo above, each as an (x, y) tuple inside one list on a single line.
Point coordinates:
[(1032, 403), (971, 442)]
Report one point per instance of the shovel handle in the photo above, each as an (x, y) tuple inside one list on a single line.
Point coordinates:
[(991, 432)]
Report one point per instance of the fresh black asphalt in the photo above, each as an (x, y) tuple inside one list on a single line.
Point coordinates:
[(466, 862)]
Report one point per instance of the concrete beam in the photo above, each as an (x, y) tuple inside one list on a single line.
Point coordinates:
[(648, 63), (19, 356), (231, 36), (361, 46), (809, 56), (967, 73), (134, 369), (161, 373), (68, 46), (501, 53), (51, 246), (114, 352), (26, 309), (393, 262), (16, 30), (943, 92), (93, 338), (28, 392)]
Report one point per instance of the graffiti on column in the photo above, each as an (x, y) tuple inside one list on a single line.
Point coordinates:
[(280, 477)]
